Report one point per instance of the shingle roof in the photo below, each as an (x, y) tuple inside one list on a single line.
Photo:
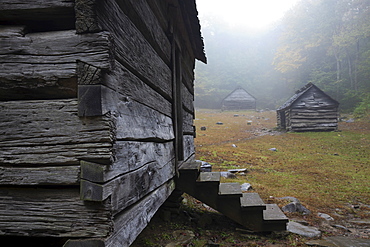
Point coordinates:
[(298, 94)]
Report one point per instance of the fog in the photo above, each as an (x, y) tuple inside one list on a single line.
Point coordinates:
[(273, 50)]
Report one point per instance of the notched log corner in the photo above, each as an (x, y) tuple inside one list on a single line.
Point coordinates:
[(88, 74)]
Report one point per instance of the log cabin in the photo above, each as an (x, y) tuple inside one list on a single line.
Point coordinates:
[(96, 116), (239, 99), (309, 109)]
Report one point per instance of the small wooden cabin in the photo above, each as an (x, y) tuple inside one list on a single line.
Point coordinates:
[(310, 109), (239, 99), (96, 114)]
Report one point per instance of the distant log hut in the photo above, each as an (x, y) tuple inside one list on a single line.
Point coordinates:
[(239, 99), (96, 114), (310, 109)]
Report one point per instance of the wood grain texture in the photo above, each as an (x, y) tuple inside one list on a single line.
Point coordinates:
[(189, 149), (86, 16), (148, 24), (128, 84), (47, 60), (39, 14), (130, 223), (129, 156), (135, 121), (133, 50), (188, 124), (129, 188), (55, 212), (187, 99), (50, 175), (50, 132)]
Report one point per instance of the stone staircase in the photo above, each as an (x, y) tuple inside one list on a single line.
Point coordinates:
[(247, 209)]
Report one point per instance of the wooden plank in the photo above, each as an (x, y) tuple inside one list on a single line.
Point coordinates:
[(39, 14), (129, 188), (321, 110), (133, 50), (159, 9), (41, 212), (313, 120), (188, 124), (187, 99), (126, 83), (149, 25), (50, 132), (51, 175), (129, 156), (129, 224), (35, 4), (50, 65), (189, 149), (133, 120)]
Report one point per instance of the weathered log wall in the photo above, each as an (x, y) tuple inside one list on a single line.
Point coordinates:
[(309, 110), (96, 103)]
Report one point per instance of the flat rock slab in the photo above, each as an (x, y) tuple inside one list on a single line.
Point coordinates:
[(339, 241), (360, 221), (306, 231)]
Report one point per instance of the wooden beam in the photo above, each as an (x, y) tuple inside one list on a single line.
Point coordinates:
[(50, 175), (127, 83), (134, 121), (49, 132), (129, 224), (129, 156), (42, 212), (133, 50), (129, 188), (45, 63)]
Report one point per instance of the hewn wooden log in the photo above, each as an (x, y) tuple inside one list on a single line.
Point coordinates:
[(310, 124), (129, 188), (188, 146), (50, 175), (129, 156), (315, 116), (160, 10), (313, 120), (39, 14), (188, 124), (126, 83), (88, 74), (50, 132), (86, 16), (146, 21), (135, 121), (187, 99), (57, 212), (129, 224), (47, 61), (133, 50)]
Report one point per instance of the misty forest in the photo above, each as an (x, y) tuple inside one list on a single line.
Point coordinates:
[(326, 42)]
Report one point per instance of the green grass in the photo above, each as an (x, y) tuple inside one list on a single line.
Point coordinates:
[(324, 170)]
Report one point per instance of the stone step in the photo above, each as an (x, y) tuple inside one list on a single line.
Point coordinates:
[(209, 177), (274, 219), (252, 201), (188, 174), (230, 189), (190, 166)]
